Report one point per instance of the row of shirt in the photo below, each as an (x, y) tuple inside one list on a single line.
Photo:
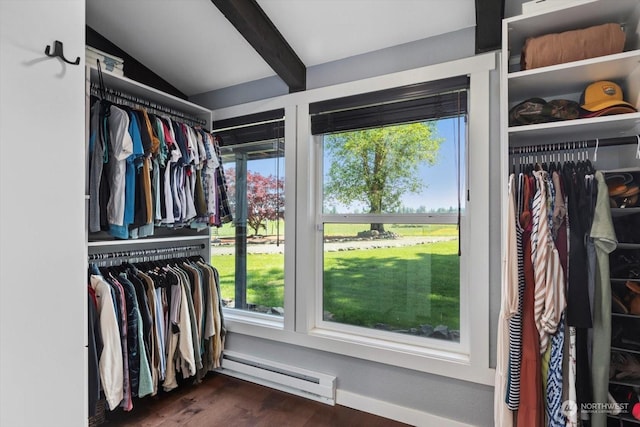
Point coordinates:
[(147, 171), (553, 344), (151, 324)]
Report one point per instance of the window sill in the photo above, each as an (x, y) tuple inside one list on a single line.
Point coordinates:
[(395, 346), (261, 320)]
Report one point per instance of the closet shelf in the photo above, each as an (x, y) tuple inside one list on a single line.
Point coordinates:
[(152, 240), (581, 14), (571, 77), (615, 126)]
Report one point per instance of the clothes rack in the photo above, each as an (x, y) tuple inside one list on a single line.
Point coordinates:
[(573, 145), (134, 101), (148, 254), (177, 185), (155, 321)]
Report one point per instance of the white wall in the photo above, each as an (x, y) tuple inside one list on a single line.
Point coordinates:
[(42, 243)]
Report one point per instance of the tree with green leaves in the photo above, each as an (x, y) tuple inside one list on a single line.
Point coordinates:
[(377, 166)]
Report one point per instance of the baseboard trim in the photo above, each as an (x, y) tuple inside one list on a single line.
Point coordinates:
[(393, 411)]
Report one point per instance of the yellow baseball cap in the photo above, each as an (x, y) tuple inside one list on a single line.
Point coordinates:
[(604, 94)]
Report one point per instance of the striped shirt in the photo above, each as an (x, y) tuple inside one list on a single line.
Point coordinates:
[(549, 298)]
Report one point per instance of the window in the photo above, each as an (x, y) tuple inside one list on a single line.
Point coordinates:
[(249, 253), (393, 177), (457, 111)]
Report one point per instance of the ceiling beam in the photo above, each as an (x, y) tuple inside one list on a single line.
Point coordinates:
[(489, 14), (256, 27)]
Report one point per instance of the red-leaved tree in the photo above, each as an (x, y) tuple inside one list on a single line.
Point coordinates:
[(265, 198)]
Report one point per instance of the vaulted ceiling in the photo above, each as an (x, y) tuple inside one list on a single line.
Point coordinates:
[(192, 44)]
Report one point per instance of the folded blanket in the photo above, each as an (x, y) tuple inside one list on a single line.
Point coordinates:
[(574, 45)]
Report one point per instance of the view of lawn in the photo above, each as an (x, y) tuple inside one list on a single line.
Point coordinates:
[(402, 287), (399, 287), (265, 278)]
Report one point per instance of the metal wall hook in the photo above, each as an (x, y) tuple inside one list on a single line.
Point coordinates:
[(57, 51)]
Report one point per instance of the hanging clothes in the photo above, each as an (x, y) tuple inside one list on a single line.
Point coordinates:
[(555, 384), (163, 323), (94, 350), (604, 236), (548, 294), (515, 314), (531, 409), (110, 358), (148, 171), (549, 279), (503, 415), (549, 287)]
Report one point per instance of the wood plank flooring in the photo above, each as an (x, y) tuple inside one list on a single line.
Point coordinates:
[(225, 401)]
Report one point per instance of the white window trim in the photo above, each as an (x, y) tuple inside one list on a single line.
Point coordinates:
[(299, 326)]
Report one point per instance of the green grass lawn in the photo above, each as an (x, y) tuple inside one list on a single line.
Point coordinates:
[(400, 287), (265, 278)]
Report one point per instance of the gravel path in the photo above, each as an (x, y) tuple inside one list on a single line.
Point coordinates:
[(347, 245)]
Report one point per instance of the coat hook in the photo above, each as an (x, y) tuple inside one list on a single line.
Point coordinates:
[(57, 51)]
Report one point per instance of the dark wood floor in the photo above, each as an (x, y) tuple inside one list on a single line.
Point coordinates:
[(225, 401)]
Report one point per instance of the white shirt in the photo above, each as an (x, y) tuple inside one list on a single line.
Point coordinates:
[(110, 363), (120, 147)]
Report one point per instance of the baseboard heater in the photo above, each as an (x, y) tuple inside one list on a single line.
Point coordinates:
[(290, 379)]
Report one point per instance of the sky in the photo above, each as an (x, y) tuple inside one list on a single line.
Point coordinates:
[(441, 178)]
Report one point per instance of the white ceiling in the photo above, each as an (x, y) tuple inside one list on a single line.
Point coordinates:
[(191, 44)]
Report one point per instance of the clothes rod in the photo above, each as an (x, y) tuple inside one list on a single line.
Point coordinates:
[(117, 95), (574, 145), (170, 251)]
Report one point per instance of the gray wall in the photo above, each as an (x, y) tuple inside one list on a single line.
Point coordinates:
[(268, 87), (466, 402), (454, 399), (459, 44)]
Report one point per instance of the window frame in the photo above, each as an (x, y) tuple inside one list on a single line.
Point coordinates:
[(461, 347), (274, 124), (300, 325)]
